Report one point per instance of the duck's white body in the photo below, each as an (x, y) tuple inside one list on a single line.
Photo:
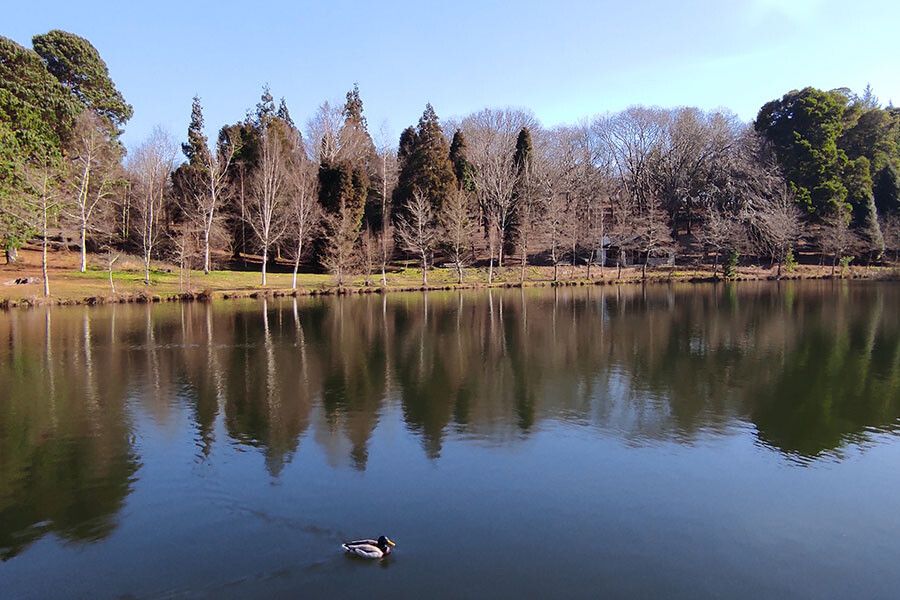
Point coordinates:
[(366, 549)]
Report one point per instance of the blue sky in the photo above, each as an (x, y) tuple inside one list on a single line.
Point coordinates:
[(563, 60)]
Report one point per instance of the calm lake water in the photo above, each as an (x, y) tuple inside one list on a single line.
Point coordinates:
[(683, 441)]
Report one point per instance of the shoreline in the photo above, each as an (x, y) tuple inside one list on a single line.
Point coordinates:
[(207, 295)]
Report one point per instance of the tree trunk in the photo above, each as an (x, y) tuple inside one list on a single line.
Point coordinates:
[(491, 264), (296, 265), (524, 264), (833, 265), (83, 247), (12, 255), (574, 262), (265, 260), (206, 251), (459, 276), (715, 263), (424, 269), (383, 276), (147, 267), (112, 285), (44, 256)]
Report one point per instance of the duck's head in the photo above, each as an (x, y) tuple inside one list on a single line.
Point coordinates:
[(385, 543)]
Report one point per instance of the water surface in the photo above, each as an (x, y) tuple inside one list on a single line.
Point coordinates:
[(677, 441)]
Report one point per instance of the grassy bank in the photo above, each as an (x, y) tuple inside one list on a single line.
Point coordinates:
[(68, 286)]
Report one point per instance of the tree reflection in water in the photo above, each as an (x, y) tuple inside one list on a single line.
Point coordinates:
[(810, 368)]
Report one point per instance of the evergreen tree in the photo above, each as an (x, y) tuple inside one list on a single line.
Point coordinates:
[(196, 148), (265, 108), (524, 153), (285, 115), (405, 174), (353, 108), (37, 119), (37, 111), (887, 190), (77, 65), (346, 180), (462, 168), (804, 128), (425, 165)]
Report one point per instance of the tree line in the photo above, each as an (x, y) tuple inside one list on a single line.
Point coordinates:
[(816, 172)]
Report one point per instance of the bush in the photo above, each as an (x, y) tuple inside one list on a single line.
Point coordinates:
[(790, 262), (845, 262)]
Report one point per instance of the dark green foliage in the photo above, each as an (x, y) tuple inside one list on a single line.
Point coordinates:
[(347, 182), (188, 178), (34, 107), (887, 190), (790, 261), (871, 132), (838, 151), (37, 117), (462, 167), (343, 186), (731, 264), (425, 164), (77, 65), (265, 108), (353, 108), (196, 149), (285, 115), (804, 128), (524, 154), (406, 176)]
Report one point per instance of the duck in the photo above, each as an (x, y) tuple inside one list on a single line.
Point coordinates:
[(373, 549)]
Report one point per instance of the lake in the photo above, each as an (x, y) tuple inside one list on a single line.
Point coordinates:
[(687, 441)]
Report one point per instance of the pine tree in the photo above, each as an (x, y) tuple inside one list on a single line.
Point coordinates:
[(78, 66)]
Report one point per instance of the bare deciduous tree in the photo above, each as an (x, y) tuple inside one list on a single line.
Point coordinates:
[(368, 250), (212, 190), (653, 232), (304, 212), (720, 231), (778, 222), (94, 164), (150, 165), (39, 203), (387, 162), (458, 226), (835, 237), (186, 239), (416, 231), (341, 235), (266, 210)]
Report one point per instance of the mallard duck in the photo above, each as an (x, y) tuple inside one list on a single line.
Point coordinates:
[(369, 548)]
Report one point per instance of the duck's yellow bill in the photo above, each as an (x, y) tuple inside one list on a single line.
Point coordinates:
[(391, 543)]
